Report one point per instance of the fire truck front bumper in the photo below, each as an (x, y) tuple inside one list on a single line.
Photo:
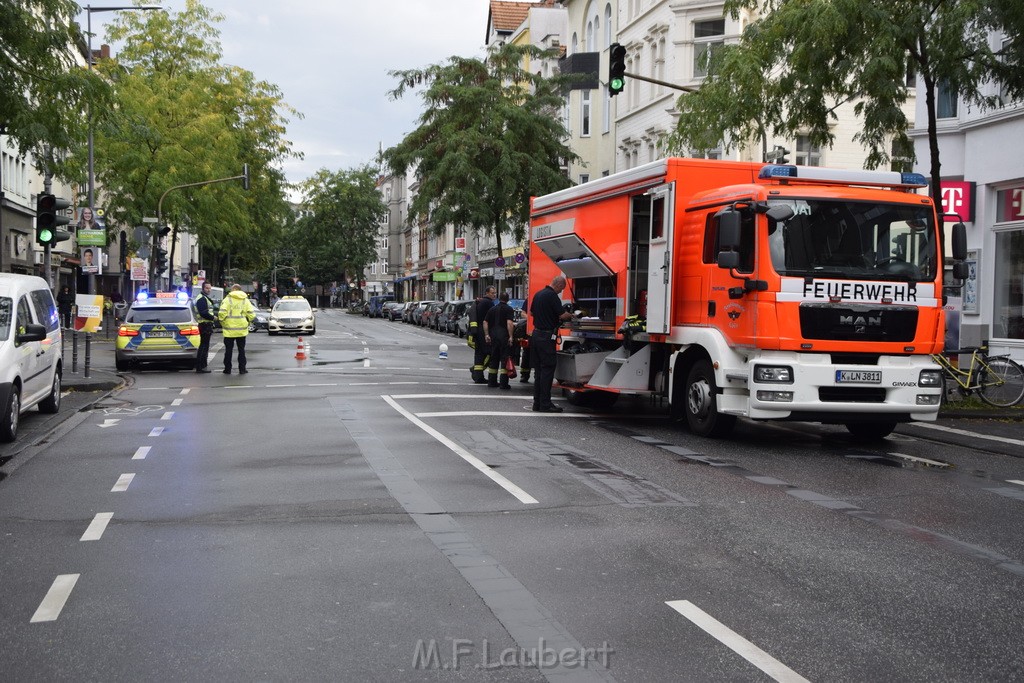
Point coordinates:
[(814, 387)]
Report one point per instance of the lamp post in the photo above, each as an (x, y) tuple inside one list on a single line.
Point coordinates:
[(89, 9)]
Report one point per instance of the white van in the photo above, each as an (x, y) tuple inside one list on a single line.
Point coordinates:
[(30, 350)]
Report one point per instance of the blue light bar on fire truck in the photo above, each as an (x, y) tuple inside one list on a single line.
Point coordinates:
[(842, 175)]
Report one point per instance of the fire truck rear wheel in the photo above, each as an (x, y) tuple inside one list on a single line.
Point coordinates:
[(702, 414), (870, 431)]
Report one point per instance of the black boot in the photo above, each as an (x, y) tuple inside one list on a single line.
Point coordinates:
[(492, 381), (503, 385), (524, 378), (478, 376)]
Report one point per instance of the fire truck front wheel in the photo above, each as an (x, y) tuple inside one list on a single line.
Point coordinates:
[(701, 402)]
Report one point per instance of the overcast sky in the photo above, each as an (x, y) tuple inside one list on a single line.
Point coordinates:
[(331, 59)]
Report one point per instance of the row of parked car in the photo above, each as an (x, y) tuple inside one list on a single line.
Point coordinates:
[(451, 317)]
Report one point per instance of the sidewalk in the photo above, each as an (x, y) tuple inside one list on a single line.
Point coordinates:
[(102, 373)]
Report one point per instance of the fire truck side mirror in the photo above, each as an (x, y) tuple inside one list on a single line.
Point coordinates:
[(728, 230), (729, 259), (959, 241), (961, 270)]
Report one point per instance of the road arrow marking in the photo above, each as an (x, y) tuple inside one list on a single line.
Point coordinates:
[(108, 423)]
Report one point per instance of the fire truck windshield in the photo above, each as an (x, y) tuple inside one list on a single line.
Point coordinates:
[(856, 240)]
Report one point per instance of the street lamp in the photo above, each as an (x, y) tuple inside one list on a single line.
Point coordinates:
[(89, 9)]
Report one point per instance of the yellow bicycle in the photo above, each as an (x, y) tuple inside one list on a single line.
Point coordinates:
[(998, 380)]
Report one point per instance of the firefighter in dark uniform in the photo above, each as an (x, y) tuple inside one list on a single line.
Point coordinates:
[(476, 333), (548, 314), (521, 349), (205, 317), (498, 326)]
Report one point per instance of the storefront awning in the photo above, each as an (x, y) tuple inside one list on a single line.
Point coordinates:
[(403, 279)]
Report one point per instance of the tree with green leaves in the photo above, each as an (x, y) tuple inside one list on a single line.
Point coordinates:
[(184, 117), (336, 237), (490, 138), (45, 83), (804, 58)]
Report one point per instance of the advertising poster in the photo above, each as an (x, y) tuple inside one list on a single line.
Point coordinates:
[(92, 259), (90, 312), (92, 231)]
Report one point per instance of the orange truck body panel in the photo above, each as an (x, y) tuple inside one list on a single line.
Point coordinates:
[(615, 237)]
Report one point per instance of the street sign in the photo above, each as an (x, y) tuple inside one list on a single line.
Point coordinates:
[(149, 219), (499, 273)]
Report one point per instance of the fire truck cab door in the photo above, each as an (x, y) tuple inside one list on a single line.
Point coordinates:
[(659, 269)]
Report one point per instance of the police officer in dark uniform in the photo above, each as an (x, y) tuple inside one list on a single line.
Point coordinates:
[(476, 331), (498, 324), (204, 315), (548, 314)]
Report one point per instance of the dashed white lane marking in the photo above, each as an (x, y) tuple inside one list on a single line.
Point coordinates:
[(141, 452), (498, 479), (167, 416), (325, 384), (281, 386), (964, 432), (97, 526), (156, 431), (185, 392), (49, 609), (122, 483), (177, 402), (1016, 481), (737, 643)]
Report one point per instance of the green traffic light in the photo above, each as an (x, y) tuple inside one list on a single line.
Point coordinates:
[(45, 235), (618, 84)]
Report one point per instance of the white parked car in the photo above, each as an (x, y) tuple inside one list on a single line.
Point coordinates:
[(30, 350)]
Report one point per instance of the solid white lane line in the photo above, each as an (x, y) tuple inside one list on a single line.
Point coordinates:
[(177, 401), (97, 526), (122, 483), (141, 452), (167, 415), (737, 643), (498, 479), (964, 432), (156, 431), (49, 609), (1016, 481), (499, 413), (923, 461)]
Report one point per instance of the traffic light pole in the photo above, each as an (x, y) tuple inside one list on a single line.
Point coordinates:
[(674, 86), (160, 212)]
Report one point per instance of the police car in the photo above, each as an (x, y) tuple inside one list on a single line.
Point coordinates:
[(292, 315), (158, 328)]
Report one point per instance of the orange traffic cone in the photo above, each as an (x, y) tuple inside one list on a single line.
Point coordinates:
[(300, 352)]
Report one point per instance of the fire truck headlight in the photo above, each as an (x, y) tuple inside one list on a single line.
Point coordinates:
[(928, 399), (930, 378), (779, 374)]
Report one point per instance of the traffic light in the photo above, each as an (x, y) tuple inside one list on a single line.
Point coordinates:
[(49, 220), (160, 260), (616, 69), (778, 155)]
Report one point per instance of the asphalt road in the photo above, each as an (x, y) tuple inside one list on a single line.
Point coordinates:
[(369, 514)]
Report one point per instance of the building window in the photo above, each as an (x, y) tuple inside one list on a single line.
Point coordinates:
[(1010, 205), (707, 154), (585, 114), (806, 153), (584, 178), (901, 156), (373, 268), (1004, 99), (383, 266), (1008, 303), (708, 36), (945, 101)]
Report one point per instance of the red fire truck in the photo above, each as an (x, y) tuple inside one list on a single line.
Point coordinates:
[(772, 292)]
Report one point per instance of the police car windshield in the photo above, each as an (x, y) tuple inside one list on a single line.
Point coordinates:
[(291, 306), (161, 314)]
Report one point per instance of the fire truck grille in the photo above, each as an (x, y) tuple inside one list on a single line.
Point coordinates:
[(858, 323)]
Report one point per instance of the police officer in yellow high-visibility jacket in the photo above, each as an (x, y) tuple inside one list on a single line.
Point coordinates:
[(235, 315)]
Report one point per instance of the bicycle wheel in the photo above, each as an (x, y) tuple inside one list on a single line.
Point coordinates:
[(1001, 382)]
